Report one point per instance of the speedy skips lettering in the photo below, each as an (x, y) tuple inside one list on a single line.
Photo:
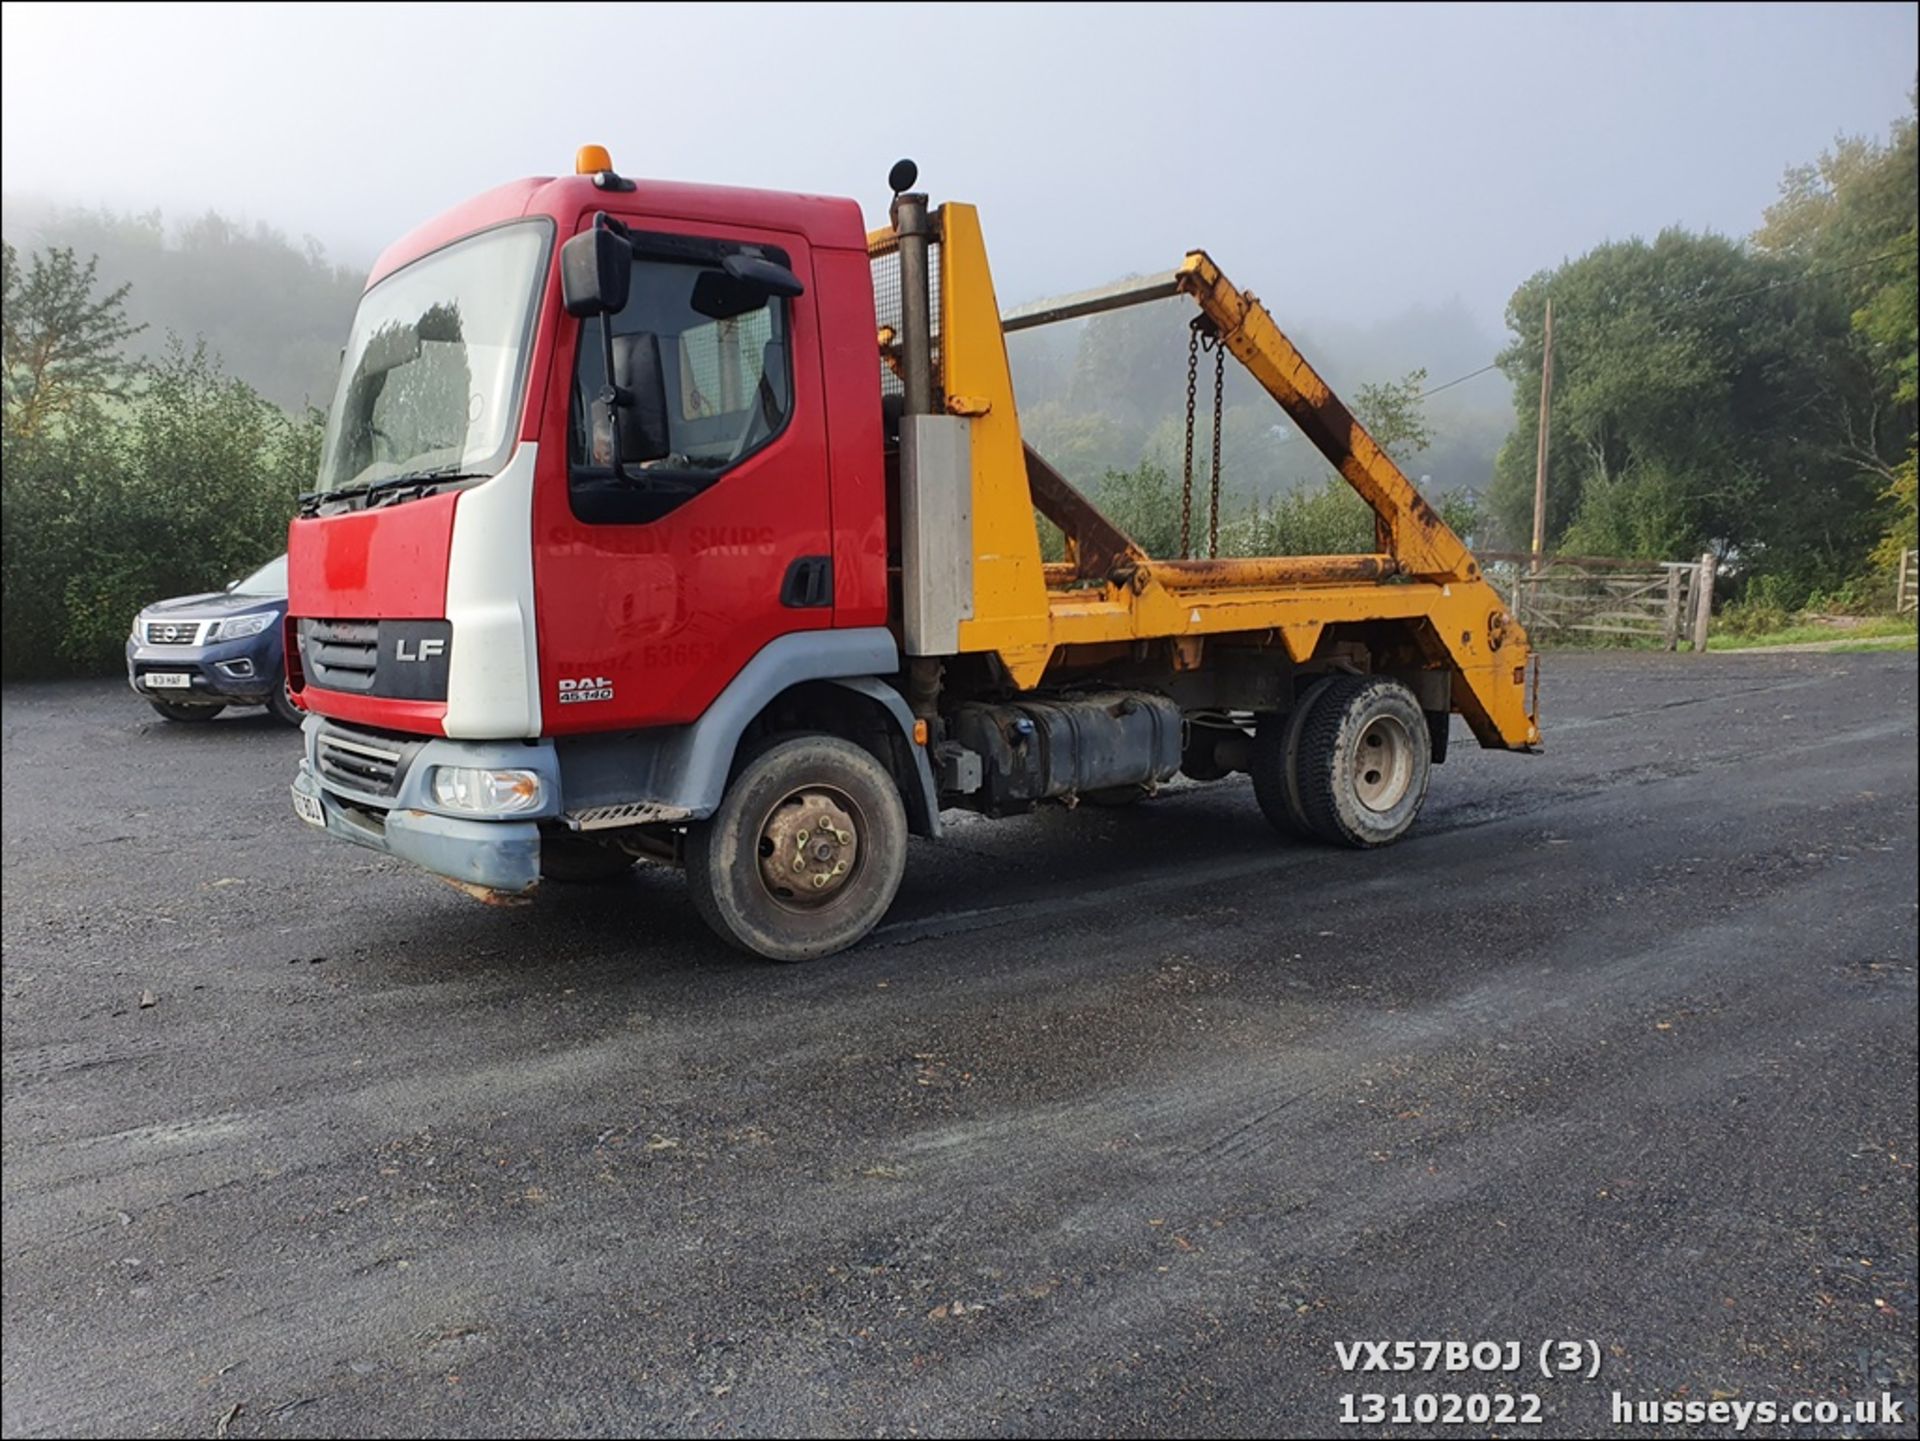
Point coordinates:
[(585, 688), (730, 540)]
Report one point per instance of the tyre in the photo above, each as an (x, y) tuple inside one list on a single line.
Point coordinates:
[(1275, 764), (280, 704), (175, 711), (805, 853), (571, 860), (1363, 762)]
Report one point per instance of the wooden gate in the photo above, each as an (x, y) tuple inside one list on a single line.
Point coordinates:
[(1571, 596)]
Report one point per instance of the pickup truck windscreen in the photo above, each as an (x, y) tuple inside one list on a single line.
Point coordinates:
[(431, 380)]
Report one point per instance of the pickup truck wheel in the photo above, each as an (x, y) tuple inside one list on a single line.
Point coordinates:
[(1275, 764), (805, 853), (572, 861), (1364, 761), (280, 704), (174, 711)]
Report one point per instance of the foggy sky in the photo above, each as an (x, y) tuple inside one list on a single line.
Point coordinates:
[(1341, 161)]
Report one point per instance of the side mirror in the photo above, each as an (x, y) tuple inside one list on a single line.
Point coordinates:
[(641, 384), (596, 271)]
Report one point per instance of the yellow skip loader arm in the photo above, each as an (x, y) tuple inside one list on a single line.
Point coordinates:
[(1421, 543), (1422, 590), (1492, 658)]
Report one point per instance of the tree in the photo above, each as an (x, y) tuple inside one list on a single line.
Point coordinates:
[(1143, 503), (1852, 218), (185, 486), (1395, 415), (62, 346), (1701, 392)]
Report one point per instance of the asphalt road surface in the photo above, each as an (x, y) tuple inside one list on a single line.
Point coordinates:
[(1121, 1125)]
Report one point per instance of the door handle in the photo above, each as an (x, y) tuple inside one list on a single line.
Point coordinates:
[(809, 583)]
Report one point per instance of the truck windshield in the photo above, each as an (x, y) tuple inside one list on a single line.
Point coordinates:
[(431, 379)]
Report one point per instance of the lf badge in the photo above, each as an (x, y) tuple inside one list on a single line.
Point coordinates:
[(586, 688)]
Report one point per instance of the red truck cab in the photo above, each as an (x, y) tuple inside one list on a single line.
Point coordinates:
[(496, 633)]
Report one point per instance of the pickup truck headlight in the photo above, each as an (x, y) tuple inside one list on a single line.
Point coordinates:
[(236, 627), (469, 788)]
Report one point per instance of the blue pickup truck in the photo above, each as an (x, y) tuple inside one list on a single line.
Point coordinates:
[(193, 656)]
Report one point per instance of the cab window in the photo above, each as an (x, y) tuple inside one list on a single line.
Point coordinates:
[(725, 383)]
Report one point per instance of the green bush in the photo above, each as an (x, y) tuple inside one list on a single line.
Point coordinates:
[(1753, 617), (186, 486)]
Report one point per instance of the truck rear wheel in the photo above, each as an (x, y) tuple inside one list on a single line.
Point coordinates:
[(1363, 762), (1275, 764), (805, 853)]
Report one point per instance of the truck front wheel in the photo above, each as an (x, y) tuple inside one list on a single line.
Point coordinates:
[(805, 852)]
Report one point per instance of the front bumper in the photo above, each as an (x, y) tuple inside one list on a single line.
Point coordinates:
[(235, 672), (496, 854)]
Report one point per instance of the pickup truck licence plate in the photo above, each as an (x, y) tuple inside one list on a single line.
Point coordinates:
[(169, 680), (308, 809)]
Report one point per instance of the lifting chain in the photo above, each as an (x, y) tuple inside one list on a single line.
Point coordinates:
[(1219, 383), (1186, 481)]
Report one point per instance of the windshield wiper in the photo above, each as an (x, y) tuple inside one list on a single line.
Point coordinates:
[(422, 482), (425, 482)]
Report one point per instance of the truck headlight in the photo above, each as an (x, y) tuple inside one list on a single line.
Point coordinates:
[(469, 788), (236, 627)]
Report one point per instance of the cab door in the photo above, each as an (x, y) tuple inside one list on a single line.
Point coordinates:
[(653, 588)]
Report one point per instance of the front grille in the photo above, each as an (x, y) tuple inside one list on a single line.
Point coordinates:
[(362, 761), (172, 632), (340, 654)]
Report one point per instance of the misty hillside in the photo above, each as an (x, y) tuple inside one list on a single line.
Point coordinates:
[(275, 311)]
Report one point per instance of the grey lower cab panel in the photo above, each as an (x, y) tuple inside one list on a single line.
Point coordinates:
[(676, 773)]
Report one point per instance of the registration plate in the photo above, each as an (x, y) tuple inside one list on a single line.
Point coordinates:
[(169, 680), (308, 809)]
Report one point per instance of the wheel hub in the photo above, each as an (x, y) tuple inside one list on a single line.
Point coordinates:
[(1383, 764), (808, 848)]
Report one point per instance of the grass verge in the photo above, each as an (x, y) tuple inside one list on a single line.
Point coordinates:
[(1882, 628)]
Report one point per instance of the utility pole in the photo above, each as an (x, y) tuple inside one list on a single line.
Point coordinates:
[(1540, 457)]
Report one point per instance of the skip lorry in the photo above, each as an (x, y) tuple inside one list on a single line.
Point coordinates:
[(690, 523)]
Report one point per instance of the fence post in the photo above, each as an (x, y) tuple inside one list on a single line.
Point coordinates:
[(1670, 626), (1703, 601)]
